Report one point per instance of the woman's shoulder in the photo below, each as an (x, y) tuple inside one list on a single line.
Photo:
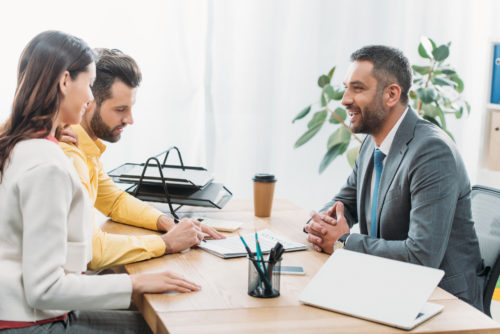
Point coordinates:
[(31, 153)]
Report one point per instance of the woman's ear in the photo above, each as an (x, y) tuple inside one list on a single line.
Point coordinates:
[(64, 82)]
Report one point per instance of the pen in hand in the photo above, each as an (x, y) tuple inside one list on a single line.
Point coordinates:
[(177, 220)]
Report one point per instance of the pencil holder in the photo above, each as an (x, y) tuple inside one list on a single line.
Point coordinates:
[(264, 278)]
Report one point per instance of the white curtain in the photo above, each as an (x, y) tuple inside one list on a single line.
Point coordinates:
[(224, 78)]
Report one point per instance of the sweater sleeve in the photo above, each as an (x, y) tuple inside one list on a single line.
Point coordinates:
[(122, 207), (110, 249), (49, 199)]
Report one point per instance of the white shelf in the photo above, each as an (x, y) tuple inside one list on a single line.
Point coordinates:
[(493, 106)]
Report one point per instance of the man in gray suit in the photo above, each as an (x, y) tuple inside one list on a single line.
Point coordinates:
[(409, 189)]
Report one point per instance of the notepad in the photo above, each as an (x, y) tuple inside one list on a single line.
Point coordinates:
[(222, 225), (233, 247)]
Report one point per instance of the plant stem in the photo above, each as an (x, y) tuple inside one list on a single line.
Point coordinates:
[(419, 106), (341, 121)]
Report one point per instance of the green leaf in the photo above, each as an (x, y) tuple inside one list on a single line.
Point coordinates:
[(319, 117), (352, 154), (302, 114), (307, 135), (338, 94), (440, 114), (460, 84), (421, 69), (441, 53), (323, 80), (446, 103), (329, 92), (427, 95), (341, 112), (332, 153), (413, 94), (448, 71), (467, 106), (422, 52), (459, 113), (443, 82), (432, 120), (341, 135), (429, 110), (432, 43), (425, 48), (330, 74)]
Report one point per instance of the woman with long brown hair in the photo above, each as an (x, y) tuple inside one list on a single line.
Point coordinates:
[(45, 218)]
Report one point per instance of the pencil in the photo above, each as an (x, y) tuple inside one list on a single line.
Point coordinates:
[(263, 278), (259, 252)]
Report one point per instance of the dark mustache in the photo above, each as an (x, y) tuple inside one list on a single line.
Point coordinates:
[(119, 126), (353, 107)]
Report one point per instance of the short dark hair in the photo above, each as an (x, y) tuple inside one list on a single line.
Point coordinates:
[(112, 64), (389, 64)]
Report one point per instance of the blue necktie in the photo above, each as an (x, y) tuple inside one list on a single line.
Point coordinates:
[(378, 157)]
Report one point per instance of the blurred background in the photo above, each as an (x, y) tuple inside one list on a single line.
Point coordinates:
[(223, 79)]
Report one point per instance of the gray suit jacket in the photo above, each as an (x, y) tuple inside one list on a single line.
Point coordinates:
[(424, 207)]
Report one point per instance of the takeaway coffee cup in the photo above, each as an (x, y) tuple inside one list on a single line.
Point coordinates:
[(263, 192)]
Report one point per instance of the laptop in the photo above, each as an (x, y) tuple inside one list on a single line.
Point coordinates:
[(374, 288)]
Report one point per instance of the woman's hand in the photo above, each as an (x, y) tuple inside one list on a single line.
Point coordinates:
[(161, 282), (69, 136)]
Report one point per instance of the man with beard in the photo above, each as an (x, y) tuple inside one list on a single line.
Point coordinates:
[(409, 190), (114, 90)]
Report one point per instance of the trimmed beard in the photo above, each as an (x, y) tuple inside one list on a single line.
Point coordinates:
[(101, 130), (372, 116)]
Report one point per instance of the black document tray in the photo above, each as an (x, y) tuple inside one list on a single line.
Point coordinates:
[(174, 175), (151, 182), (212, 195)]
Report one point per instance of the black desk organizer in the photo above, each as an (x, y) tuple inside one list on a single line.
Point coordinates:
[(171, 190)]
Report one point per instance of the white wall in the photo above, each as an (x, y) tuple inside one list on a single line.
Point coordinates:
[(224, 78)]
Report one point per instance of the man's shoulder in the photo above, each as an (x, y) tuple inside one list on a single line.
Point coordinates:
[(72, 150), (432, 142), (427, 133)]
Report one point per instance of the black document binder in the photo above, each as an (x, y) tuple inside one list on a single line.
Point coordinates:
[(172, 184)]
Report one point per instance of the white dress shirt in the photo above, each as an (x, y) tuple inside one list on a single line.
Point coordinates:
[(385, 147)]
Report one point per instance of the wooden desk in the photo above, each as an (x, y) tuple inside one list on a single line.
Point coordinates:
[(223, 306)]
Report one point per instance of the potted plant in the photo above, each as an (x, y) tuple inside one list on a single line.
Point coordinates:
[(437, 93)]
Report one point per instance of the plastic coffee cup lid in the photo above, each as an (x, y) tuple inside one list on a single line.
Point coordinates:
[(265, 178)]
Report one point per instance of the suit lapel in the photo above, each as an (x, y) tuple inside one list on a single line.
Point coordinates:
[(398, 150)]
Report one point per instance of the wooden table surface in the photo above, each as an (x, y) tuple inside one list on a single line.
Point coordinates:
[(223, 305)]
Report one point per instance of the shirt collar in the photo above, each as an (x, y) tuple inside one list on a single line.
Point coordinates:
[(52, 139), (90, 147), (387, 142)]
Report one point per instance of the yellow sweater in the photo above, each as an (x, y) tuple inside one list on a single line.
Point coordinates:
[(112, 249)]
